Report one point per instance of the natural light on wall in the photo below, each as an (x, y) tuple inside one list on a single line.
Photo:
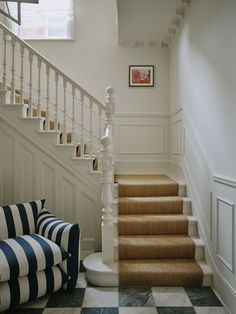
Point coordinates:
[(50, 19)]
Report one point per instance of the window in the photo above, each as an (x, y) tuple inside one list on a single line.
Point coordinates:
[(50, 19)]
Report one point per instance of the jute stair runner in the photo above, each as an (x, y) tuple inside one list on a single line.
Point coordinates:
[(153, 243)]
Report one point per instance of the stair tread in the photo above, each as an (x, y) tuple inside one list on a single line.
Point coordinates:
[(151, 218), (146, 185), (155, 239), (160, 272), (152, 224), (150, 205)]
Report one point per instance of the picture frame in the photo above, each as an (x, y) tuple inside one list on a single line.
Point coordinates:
[(141, 76)]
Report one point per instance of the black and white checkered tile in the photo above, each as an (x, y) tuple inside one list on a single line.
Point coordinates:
[(88, 299)]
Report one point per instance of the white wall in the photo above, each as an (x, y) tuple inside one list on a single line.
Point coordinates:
[(96, 61), (202, 86), (203, 79)]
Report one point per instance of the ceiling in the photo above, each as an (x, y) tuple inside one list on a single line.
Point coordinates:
[(144, 22)]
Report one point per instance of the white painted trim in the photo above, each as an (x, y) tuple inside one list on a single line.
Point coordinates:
[(225, 180), (77, 175), (211, 214), (232, 205), (141, 114), (174, 112), (180, 152), (162, 152), (224, 284)]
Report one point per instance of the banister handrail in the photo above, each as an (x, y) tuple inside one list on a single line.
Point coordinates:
[(47, 62)]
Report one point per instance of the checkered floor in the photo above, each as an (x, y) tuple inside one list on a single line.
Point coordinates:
[(88, 299)]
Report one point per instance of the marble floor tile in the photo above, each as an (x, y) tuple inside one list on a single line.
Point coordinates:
[(170, 296), (64, 310), (175, 310), (63, 299), (36, 304), (137, 310), (24, 311), (210, 310), (101, 297), (135, 296), (81, 282), (99, 310), (203, 296)]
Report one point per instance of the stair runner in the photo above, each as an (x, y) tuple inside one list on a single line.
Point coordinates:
[(52, 126), (153, 243)]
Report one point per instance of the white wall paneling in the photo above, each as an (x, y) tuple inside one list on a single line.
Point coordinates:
[(8, 155), (141, 142), (225, 232), (141, 138), (176, 137), (28, 173)]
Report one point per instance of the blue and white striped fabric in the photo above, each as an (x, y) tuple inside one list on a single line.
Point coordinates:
[(30, 287), (65, 235), (28, 254), (19, 219)]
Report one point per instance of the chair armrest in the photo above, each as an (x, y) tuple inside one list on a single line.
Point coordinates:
[(67, 236)]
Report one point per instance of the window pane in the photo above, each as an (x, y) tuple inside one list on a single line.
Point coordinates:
[(48, 19)]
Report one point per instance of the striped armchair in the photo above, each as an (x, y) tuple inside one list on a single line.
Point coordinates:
[(39, 253)]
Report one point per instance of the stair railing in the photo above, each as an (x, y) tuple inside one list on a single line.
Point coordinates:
[(47, 88), (107, 167)]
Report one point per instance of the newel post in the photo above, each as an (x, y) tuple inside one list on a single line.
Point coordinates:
[(107, 165)]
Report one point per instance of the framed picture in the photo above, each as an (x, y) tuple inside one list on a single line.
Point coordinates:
[(141, 75)]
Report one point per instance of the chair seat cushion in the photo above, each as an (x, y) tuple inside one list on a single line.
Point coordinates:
[(28, 254), (24, 289)]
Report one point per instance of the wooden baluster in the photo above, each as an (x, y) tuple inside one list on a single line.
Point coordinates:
[(99, 132), (90, 129), (82, 126), (47, 125), (22, 51), (30, 84), (13, 92), (64, 118), (73, 115), (39, 89), (4, 63), (56, 101)]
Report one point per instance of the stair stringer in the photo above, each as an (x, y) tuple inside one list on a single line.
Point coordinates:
[(33, 167)]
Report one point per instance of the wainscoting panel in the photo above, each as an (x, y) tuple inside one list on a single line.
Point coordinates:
[(226, 232), (48, 184), (141, 142), (176, 137), (27, 167), (30, 170), (141, 138), (7, 152)]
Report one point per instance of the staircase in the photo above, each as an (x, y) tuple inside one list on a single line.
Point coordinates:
[(156, 241), (41, 106), (149, 236)]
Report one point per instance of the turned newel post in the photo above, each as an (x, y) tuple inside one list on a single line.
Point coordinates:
[(106, 164)]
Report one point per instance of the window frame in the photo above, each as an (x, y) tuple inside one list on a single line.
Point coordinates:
[(15, 27)]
